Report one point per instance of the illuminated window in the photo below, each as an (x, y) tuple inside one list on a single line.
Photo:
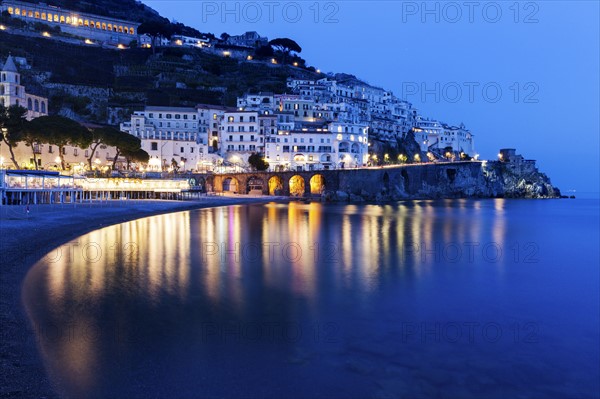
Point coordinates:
[(18, 11), (103, 26), (30, 14), (55, 17), (69, 20), (131, 31), (120, 29), (109, 26), (37, 15), (62, 19), (86, 23), (11, 10)]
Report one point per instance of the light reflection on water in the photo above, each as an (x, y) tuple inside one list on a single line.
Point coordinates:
[(306, 300)]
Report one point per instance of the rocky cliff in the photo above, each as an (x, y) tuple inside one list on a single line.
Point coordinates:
[(449, 180)]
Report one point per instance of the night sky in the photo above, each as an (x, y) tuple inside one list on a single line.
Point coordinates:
[(521, 75)]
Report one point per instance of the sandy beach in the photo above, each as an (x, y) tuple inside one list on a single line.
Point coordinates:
[(26, 236)]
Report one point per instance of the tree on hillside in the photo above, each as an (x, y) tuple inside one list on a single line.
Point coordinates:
[(264, 52), (12, 125), (257, 162), (137, 156), (285, 46), (59, 131), (156, 30), (225, 36)]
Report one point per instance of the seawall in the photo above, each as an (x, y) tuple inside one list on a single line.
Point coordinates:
[(472, 179)]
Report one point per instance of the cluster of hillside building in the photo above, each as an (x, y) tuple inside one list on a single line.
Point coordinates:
[(321, 124)]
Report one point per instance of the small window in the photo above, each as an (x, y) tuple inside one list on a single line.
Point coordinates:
[(154, 146)]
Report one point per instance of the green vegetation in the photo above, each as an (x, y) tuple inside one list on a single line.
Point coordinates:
[(257, 162), (13, 123)]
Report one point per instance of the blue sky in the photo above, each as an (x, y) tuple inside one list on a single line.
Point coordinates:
[(518, 74)]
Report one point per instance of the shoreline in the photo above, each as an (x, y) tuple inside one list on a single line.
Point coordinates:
[(26, 238)]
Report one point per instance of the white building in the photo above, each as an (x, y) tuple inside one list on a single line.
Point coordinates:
[(189, 41), (89, 26), (240, 136), (171, 136), (314, 147), (210, 118)]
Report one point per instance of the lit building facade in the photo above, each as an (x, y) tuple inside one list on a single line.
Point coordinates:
[(240, 136), (89, 26), (171, 136)]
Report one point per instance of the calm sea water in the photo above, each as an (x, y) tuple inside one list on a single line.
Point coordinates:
[(456, 299)]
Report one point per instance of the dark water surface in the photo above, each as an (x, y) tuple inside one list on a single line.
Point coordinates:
[(480, 299)]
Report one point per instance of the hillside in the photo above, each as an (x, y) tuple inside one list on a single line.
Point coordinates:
[(133, 78), (130, 10)]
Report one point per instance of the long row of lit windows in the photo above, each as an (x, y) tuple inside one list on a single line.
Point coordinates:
[(75, 21)]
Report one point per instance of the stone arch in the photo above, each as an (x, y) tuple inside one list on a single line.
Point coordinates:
[(297, 186), (317, 184), (29, 104), (36, 106), (43, 107), (231, 184), (275, 185), (255, 184), (354, 149)]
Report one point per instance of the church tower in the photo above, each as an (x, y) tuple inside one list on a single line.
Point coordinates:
[(11, 91)]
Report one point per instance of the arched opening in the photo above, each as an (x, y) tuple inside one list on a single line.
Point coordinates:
[(275, 185), (317, 184), (354, 148), (36, 106), (230, 185), (29, 104), (344, 147), (43, 107), (297, 186), (254, 185)]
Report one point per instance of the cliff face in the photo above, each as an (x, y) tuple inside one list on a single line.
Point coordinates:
[(448, 180), (519, 180)]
